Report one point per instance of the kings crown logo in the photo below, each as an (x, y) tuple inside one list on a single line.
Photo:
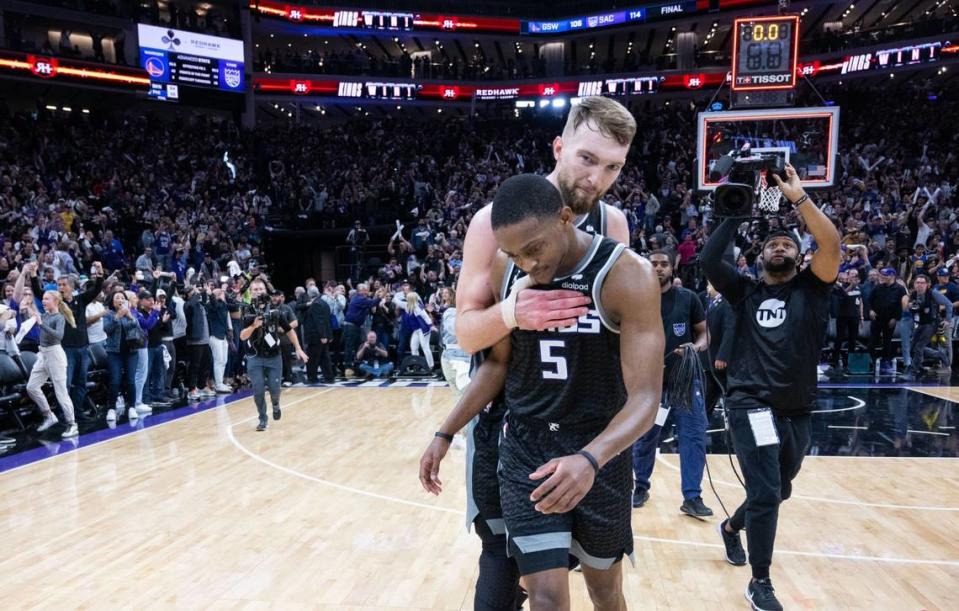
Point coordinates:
[(232, 76)]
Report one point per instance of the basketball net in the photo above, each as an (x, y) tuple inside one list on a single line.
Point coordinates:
[(769, 195)]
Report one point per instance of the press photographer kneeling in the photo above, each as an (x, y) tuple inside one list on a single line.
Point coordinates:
[(262, 327)]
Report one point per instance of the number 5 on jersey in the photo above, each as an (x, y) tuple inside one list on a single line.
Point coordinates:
[(550, 359)]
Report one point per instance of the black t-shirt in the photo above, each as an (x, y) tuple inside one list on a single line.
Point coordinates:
[(780, 330), (850, 302), (886, 300), (681, 311), (265, 341)]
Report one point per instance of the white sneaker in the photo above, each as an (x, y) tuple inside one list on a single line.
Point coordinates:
[(48, 421), (206, 393), (132, 414), (143, 408), (223, 388), (193, 397), (111, 415), (72, 431)]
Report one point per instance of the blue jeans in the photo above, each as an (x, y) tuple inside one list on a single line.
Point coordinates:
[(905, 336), (156, 375), (691, 434), (265, 372), (377, 372), (140, 379), (123, 369), (78, 366)]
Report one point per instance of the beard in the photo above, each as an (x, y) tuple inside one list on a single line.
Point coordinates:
[(577, 202), (665, 280), (787, 264)]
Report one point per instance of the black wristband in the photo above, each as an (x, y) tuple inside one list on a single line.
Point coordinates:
[(799, 201), (445, 436), (591, 459)]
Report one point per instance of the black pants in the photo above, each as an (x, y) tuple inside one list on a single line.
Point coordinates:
[(319, 356), (768, 472), (881, 331), (199, 369), (847, 330), (497, 586), (286, 351)]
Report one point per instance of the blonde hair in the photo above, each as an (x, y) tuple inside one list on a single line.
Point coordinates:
[(607, 116), (412, 301), (63, 308)]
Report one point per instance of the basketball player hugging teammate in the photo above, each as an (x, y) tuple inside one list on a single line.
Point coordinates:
[(577, 396)]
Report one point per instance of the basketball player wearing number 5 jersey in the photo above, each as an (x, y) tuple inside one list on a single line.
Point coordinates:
[(577, 397)]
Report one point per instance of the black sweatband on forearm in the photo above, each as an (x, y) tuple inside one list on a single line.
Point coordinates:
[(592, 460), (445, 436), (799, 201)]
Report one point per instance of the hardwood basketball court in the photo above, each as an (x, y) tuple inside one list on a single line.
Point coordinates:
[(324, 511)]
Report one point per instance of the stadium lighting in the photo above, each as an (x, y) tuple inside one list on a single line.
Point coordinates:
[(559, 103), (544, 103), (49, 107)]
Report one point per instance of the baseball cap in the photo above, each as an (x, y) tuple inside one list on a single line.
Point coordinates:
[(144, 295), (943, 271), (161, 293), (888, 271)]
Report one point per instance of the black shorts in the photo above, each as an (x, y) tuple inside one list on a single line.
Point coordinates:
[(482, 485), (598, 531)]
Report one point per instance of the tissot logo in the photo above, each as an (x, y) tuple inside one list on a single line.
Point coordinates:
[(765, 79)]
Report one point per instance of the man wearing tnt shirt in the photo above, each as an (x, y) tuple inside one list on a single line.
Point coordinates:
[(780, 327)]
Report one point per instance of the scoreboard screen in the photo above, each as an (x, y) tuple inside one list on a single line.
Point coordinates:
[(177, 57), (765, 51)]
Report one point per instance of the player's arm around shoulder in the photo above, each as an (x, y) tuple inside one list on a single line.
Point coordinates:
[(473, 289), (630, 296)]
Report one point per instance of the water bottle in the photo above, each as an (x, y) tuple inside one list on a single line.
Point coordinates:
[(878, 361)]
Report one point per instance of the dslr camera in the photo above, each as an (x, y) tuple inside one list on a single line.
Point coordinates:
[(740, 172), (262, 306)]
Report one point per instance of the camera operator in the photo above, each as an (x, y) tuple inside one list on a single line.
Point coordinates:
[(780, 327), (923, 304), (262, 328)]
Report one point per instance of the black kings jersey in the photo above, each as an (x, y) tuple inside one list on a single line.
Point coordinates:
[(594, 222), (569, 379)]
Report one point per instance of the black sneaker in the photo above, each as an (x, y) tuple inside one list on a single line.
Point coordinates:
[(695, 507), (262, 425), (762, 596), (640, 497), (277, 414), (735, 554)]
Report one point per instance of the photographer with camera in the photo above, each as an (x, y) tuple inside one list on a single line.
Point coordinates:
[(262, 328), (923, 305), (780, 327)]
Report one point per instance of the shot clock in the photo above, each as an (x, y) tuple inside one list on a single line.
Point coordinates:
[(765, 51)]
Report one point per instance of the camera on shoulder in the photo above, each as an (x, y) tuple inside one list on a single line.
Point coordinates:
[(740, 171)]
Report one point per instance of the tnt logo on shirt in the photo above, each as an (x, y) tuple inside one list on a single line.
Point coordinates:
[(771, 313)]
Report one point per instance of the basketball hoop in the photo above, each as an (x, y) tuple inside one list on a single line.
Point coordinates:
[(770, 196)]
